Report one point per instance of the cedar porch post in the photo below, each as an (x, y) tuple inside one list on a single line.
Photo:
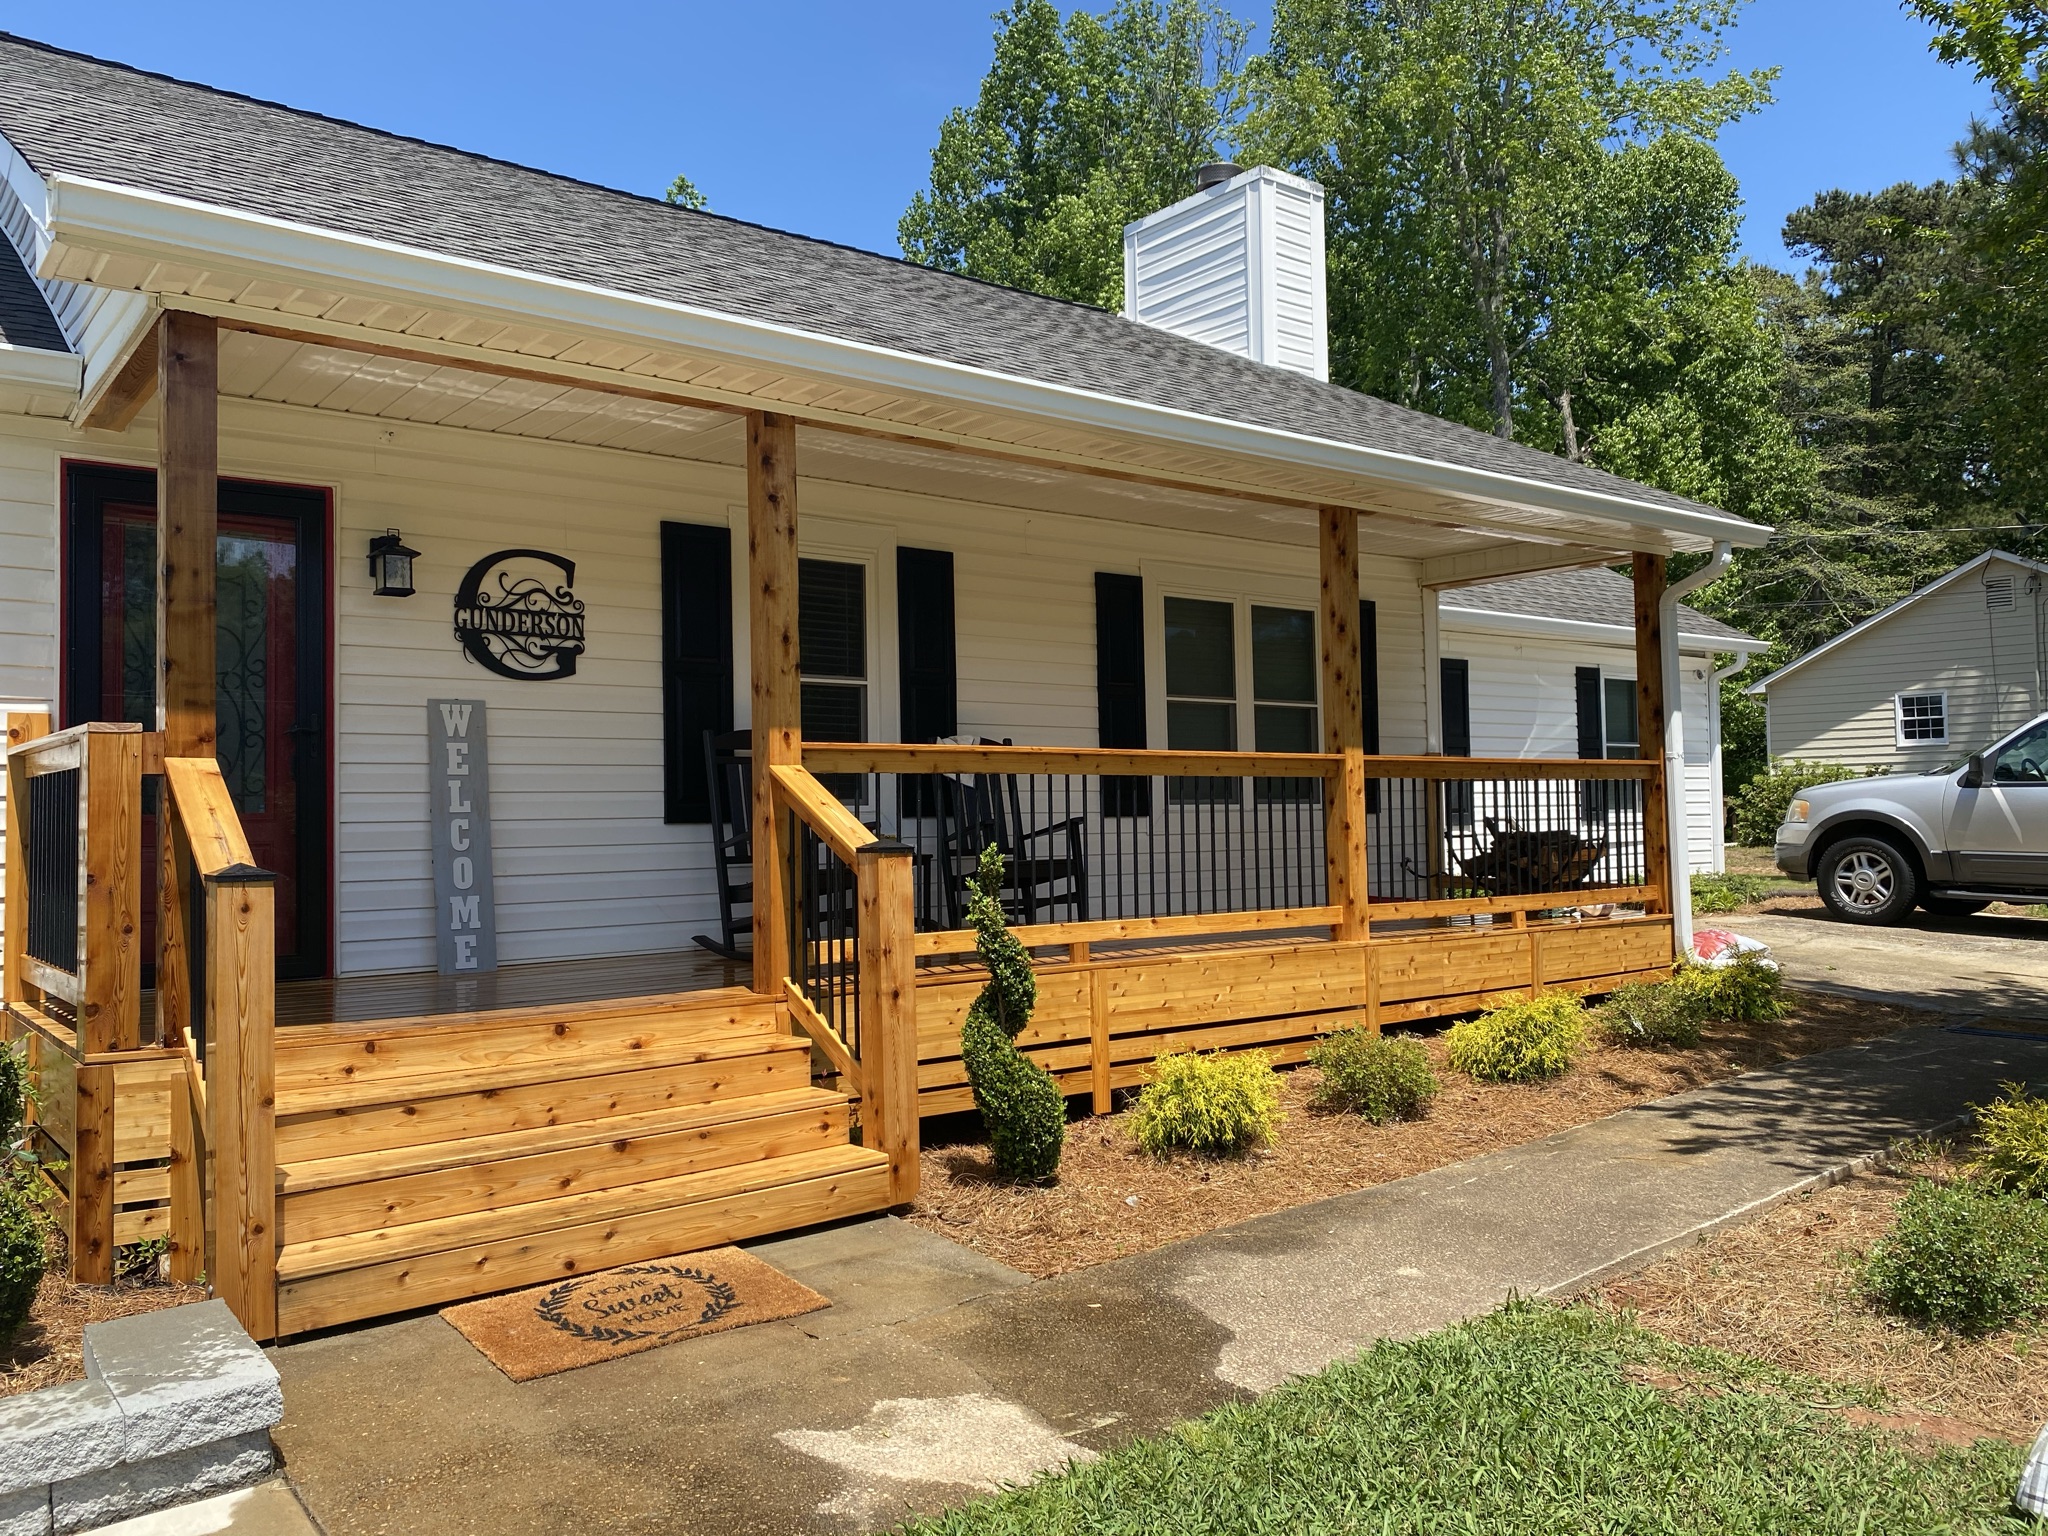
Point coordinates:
[(187, 518), (1649, 572), (777, 699), (1343, 722)]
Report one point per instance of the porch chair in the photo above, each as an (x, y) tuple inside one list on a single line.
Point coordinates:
[(729, 769), (1045, 868)]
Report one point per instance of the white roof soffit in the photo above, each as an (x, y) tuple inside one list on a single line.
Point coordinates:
[(89, 219)]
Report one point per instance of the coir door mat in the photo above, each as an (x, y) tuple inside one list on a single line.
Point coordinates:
[(616, 1312)]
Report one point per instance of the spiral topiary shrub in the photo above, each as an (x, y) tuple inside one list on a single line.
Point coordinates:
[(1220, 1104), (1521, 1042), (1021, 1105), (1383, 1078)]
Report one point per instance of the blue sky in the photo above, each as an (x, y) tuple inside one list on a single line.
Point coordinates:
[(819, 115)]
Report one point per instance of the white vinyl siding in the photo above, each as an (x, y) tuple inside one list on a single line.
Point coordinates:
[(1525, 704), (585, 866), (1982, 655)]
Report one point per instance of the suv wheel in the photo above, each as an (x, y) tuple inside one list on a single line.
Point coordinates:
[(1868, 880)]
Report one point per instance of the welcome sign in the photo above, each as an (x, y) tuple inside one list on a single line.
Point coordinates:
[(459, 797)]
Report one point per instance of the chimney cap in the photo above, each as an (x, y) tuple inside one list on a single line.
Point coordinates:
[(1215, 173)]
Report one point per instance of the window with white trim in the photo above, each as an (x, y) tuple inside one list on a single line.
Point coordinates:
[(1922, 719), (1227, 661)]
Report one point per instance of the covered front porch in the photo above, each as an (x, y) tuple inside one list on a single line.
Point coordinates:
[(333, 1148)]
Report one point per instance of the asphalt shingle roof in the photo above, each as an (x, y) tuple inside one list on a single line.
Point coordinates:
[(25, 318), (67, 113), (1594, 596)]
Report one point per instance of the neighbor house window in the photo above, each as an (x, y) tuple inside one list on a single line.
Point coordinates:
[(1209, 694), (1922, 719)]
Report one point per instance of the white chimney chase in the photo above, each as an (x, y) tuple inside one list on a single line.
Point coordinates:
[(1240, 266)]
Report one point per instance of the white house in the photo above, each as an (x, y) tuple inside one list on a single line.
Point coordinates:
[(1931, 678), (1545, 666)]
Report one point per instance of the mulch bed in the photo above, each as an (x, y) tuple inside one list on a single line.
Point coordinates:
[(1781, 1289), (50, 1347), (1112, 1200)]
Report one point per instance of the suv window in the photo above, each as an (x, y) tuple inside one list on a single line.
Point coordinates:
[(2024, 759)]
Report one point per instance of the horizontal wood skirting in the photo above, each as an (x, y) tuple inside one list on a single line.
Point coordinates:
[(1100, 1023)]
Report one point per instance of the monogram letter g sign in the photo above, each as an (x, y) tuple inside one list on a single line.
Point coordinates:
[(517, 615)]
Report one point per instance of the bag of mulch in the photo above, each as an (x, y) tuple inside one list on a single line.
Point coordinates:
[(2033, 1491), (1717, 948)]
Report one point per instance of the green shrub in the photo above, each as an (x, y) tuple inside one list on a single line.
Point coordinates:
[(1724, 893), (1965, 1255), (1747, 990), (1760, 804), (1522, 1042), (24, 1253), (1021, 1105), (1216, 1104), (1652, 1013), (2013, 1132), (1380, 1078)]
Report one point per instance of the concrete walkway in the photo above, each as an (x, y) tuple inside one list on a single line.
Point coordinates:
[(936, 1372)]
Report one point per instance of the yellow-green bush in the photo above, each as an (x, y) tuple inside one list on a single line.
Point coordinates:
[(1216, 1104), (1747, 990), (1522, 1042), (1381, 1078), (2013, 1132)]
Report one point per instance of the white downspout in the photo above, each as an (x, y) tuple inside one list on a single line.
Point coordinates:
[(1718, 778), (1677, 838)]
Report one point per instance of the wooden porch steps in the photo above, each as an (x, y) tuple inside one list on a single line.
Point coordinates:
[(423, 1162)]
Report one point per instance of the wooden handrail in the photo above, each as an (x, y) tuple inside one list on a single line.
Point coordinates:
[(828, 1039), (958, 941), (207, 811), (886, 757), (819, 809)]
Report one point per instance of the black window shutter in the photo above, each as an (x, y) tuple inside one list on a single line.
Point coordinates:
[(696, 660), (1457, 699), (927, 664), (1120, 684), (1369, 689), (1592, 738)]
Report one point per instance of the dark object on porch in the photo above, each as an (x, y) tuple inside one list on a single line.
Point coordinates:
[(729, 769), (1021, 1105), (1044, 869), (1518, 863)]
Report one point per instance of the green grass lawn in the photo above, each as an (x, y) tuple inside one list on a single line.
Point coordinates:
[(1526, 1421)]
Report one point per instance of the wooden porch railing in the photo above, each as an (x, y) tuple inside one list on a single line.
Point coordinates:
[(1129, 845), (849, 911), (218, 983)]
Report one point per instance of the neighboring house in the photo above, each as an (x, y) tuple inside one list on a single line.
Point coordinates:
[(1927, 681), (1545, 666), (446, 522)]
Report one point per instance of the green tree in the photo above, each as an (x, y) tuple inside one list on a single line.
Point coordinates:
[(1486, 162), (684, 194), (1081, 126)]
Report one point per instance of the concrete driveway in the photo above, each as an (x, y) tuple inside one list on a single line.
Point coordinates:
[(1987, 967)]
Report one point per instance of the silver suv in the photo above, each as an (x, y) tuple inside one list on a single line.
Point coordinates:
[(1950, 842)]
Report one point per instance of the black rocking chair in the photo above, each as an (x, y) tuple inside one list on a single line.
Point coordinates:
[(1045, 875), (729, 764)]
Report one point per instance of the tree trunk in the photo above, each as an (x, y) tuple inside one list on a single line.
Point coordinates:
[(1571, 426)]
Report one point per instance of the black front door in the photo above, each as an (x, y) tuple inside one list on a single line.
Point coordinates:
[(271, 657)]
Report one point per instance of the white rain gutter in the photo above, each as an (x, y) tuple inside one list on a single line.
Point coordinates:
[(101, 216), (1676, 832)]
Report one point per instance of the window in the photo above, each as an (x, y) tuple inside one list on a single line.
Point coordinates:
[(1623, 738), (1922, 719), (2024, 759), (1209, 695)]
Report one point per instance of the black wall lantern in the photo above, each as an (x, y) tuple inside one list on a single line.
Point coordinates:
[(391, 564)]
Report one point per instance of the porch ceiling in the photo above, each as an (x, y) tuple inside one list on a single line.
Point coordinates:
[(334, 378)]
